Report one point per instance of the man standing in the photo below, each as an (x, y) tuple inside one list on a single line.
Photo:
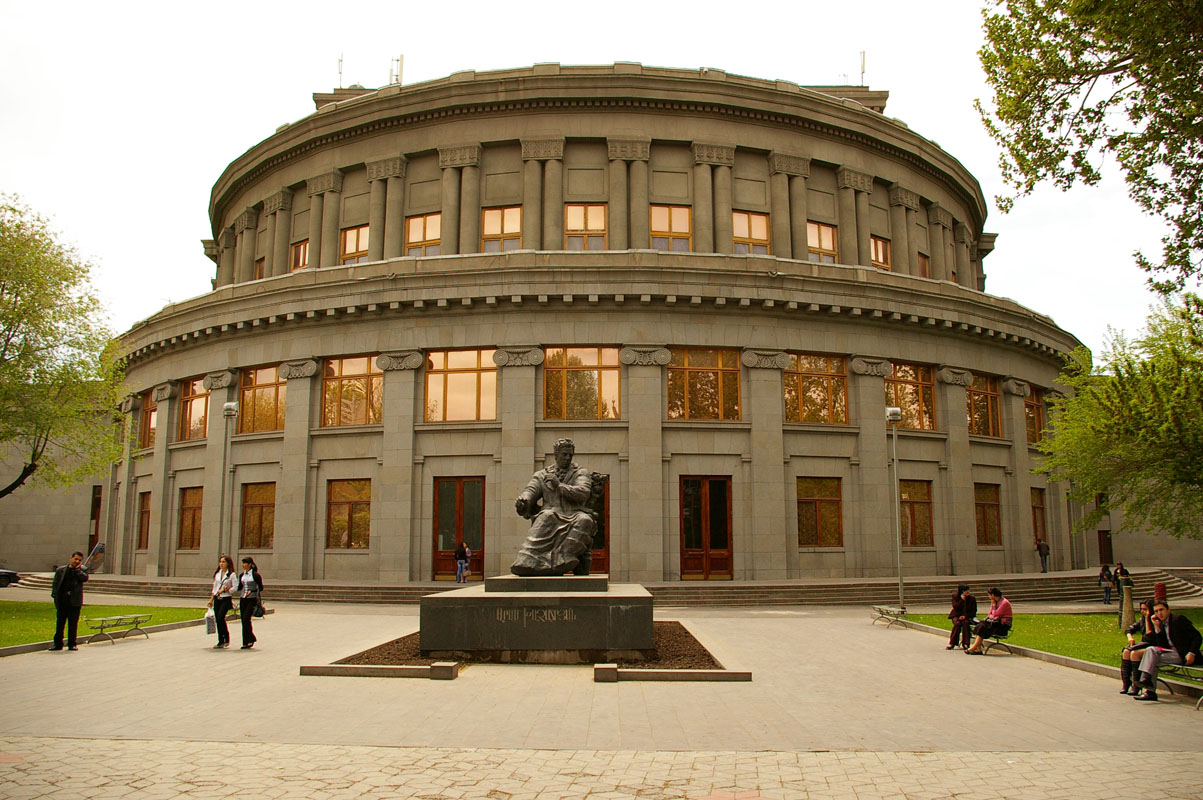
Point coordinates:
[(1184, 641), (68, 594), (1042, 549)]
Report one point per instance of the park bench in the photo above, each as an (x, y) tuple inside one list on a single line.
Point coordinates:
[(999, 640), (1182, 672), (128, 622), (893, 614)]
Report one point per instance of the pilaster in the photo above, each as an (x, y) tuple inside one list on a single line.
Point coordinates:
[(517, 397), (645, 555), (299, 545), (279, 207), (853, 209), (764, 408), (869, 548), (952, 496), (637, 152), (902, 202), (397, 496), (796, 169)]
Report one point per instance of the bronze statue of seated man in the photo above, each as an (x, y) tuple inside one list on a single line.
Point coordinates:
[(561, 531)]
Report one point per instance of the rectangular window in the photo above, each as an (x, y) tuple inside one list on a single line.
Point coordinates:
[(348, 514), (1039, 521), (581, 383), (750, 233), (914, 507), (260, 268), (263, 395), (190, 517), (501, 229), (148, 420), (912, 388), (1033, 412), (584, 226), (351, 391), (703, 383), (819, 513), (258, 515), (672, 228), (143, 520), (989, 519), (300, 256), (924, 266), (194, 409), (820, 243), (816, 389), (354, 245), (981, 403), (880, 248), (461, 386), (422, 234)]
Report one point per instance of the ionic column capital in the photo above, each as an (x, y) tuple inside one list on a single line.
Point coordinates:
[(954, 376), (644, 355), (219, 380), (400, 359), (163, 392), (518, 355), (871, 365), (291, 370), (1016, 386), (764, 359)]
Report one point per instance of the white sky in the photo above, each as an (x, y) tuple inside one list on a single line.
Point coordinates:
[(117, 118)]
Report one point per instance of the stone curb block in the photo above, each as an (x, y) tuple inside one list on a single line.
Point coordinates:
[(612, 673), (439, 671)]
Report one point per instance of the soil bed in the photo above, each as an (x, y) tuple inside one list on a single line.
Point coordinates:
[(675, 649)]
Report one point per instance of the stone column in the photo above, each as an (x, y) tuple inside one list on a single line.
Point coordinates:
[(646, 556), (939, 222), (553, 196), (469, 217), (386, 218), (220, 522), (377, 198), (854, 188), (127, 505), (703, 208), (399, 547), (905, 254), (532, 200), (227, 241), (517, 396), (797, 170), (782, 169), (846, 234), (1016, 493), (160, 558), (721, 158), (279, 206), (868, 502), (617, 218), (451, 161), (394, 213), (300, 543), (316, 208), (331, 217), (246, 227), (952, 495), (964, 240), (636, 151), (764, 407)]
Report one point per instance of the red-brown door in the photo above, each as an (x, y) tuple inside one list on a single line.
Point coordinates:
[(601, 538), (706, 527), (1106, 556), (459, 516)]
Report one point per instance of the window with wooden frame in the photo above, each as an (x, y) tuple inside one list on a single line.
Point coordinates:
[(260, 268), (194, 409), (353, 245), (671, 228), (879, 249), (1039, 520), (352, 390), (148, 420), (581, 383), (348, 514), (986, 509), (703, 383), (422, 234), (263, 395), (816, 389), (258, 516), (585, 226), (501, 229), (191, 500), (981, 404), (461, 386), (820, 513), (1033, 413), (914, 507), (821, 243), (924, 266), (750, 233), (912, 388), (299, 256), (143, 520)]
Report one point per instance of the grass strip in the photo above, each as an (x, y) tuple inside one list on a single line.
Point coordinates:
[(23, 621)]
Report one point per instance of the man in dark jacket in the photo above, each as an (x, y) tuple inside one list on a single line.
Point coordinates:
[(68, 594), (1183, 640)]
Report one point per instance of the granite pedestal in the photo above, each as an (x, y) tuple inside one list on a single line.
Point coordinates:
[(540, 620)]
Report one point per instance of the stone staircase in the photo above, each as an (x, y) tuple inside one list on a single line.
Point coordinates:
[(1181, 584)]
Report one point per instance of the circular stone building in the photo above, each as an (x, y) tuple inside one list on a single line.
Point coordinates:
[(715, 285)]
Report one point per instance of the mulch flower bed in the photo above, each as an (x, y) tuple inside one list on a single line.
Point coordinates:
[(675, 649)]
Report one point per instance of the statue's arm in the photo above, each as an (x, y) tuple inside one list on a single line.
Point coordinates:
[(528, 496), (578, 490)]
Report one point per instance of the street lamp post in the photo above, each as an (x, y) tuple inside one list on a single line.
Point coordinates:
[(893, 417), (230, 412)]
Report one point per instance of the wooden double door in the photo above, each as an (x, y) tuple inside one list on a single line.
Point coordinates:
[(706, 527)]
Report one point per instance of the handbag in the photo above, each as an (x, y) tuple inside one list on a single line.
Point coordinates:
[(210, 621), (258, 611)]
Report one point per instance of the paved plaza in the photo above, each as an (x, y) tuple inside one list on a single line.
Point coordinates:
[(837, 708)]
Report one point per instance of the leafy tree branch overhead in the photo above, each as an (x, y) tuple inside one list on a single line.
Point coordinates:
[(1078, 81)]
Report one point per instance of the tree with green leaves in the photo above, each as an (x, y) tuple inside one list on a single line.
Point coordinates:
[(1132, 429), (60, 381), (1078, 81)]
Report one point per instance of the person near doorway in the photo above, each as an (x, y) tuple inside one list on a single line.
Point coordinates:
[(1042, 549), (68, 593), (463, 554), (1107, 582)]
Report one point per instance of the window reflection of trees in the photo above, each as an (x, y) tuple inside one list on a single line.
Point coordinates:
[(581, 383), (911, 388), (816, 389), (703, 384)]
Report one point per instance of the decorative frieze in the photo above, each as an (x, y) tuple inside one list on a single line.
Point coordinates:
[(789, 165), (298, 369), (330, 182), (1016, 387), (904, 197), (523, 355), (851, 179), (219, 380), (954, 376), (163, 392), (764, 359), (870, 365), (280, 201), (938, 215), (542, 149), (387, 168), (400, 359), (247, 219), (644, 355), (463, 156), (629, 149), (718, 154)]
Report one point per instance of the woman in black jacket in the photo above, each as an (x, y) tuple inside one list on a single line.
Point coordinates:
[(248, 601), (964, 609), (1130, 656)]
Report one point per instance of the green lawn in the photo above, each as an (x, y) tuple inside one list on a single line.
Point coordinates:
[(22, 622), (1090, 637)]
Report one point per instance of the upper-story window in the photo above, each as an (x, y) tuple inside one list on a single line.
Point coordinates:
[(914, 507), (260, 268), (299, 258), (1033, 412), (820, 243), (585, 226), (924, 266), (148, 420), (354, 245), (672, 228), (750, 233), (262, 405), (880, 252), (703, 383), (461, 386), (981, 404), (194, 409), (912, 388), (352, 390), (422, 234), (581, 383), (501, 229), (816, 389), (987, 510), (191, 501)]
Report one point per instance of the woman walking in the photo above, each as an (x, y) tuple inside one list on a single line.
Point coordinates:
[(225, 579), (248, 601)]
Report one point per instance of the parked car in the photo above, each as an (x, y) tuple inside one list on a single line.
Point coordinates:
[(7, 576)]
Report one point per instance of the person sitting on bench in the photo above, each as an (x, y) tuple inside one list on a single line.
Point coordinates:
[(996, 623), (1183, 640)]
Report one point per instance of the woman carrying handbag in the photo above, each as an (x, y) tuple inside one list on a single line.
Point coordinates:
[(225, 579)]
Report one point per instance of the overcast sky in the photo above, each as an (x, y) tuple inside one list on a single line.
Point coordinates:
[(117, 118)]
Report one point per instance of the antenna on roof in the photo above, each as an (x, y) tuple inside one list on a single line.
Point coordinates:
[(394, 70), (862, 67), (340, 70)]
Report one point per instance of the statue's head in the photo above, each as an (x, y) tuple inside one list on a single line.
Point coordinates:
[(564, 450)]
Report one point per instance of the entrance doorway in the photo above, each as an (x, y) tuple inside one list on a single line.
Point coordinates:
[(459, 516), (1105, 554), (706, 527), (599, 509)]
